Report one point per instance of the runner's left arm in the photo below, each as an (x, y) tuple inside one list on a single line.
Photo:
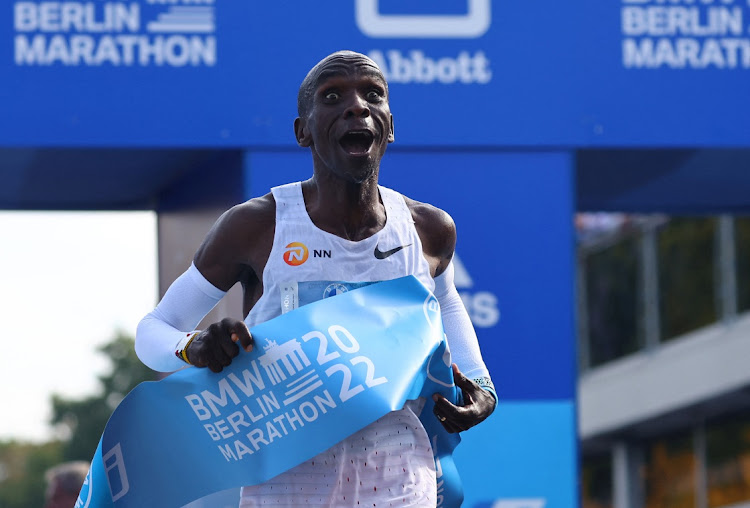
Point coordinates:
[(473, 378), (437, 231)]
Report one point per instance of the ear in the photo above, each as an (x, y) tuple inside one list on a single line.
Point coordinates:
[(392, 134), (302, 133)]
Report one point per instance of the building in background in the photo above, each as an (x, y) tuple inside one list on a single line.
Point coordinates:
[(664, 343)]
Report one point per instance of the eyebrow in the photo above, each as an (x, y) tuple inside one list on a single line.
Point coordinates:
[(339, 72)]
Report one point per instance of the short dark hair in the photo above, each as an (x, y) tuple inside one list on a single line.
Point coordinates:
[(307, 88)]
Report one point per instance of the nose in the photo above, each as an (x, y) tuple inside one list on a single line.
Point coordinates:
[(357, 107)]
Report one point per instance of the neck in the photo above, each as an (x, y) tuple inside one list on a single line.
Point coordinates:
[(346, 209)]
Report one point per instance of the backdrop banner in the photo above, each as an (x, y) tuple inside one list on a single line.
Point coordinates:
[(316, 375)]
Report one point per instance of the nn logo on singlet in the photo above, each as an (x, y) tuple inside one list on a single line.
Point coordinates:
[(297, 253)]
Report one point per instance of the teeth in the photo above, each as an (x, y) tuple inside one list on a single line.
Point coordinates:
[(360, 133)]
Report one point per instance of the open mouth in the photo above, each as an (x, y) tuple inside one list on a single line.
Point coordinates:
[(357, 142)]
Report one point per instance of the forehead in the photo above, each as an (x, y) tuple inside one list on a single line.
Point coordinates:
[(347, 67)]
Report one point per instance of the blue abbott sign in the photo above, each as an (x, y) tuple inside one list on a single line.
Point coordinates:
[(374, 23), (489, 73)]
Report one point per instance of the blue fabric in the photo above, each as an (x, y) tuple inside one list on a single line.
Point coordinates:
[(316, 375)]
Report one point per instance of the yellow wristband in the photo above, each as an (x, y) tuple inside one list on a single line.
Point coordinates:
[(181, 351)]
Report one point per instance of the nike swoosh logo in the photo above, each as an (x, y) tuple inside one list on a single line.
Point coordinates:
[(384, 254)]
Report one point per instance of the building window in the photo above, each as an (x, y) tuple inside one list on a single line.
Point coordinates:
[(612, 289), (742, 239), (596, 481), (669, 472), (687, 284), (728, 461), (649, 279)]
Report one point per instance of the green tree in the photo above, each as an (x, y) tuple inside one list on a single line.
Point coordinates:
[(82, 421), (22, 468)]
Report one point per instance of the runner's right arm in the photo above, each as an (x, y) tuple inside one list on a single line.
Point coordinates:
[(166, 339)]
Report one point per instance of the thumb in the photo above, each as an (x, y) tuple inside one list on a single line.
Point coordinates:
[(459, 378)]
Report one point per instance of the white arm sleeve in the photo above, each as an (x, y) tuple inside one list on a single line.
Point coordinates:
[(185, 303), (462, 339)]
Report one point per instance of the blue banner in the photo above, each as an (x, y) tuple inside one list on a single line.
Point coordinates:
[(315, 376), (559, 74)]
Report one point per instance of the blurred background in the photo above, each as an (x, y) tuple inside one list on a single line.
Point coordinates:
[(594, 155)]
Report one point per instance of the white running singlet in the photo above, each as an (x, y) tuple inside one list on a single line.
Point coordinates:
[(389, 462)]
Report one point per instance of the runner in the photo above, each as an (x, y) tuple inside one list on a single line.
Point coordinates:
[(369, 233)]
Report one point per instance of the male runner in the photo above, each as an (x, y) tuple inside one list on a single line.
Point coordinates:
[(374, 234)]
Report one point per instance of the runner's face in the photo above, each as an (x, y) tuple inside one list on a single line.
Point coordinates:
[(350, 122)]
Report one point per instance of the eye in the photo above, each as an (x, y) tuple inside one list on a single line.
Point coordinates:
[(331, 96), (374, 95)]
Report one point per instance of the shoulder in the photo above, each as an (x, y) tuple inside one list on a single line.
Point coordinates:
[(239, 240), (252, 216), (243, 223), (431, 219), (436, 230)]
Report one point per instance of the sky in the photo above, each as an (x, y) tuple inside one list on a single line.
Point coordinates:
[(68, 282)]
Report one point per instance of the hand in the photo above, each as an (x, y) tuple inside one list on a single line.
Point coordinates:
[(478, 405), (217, 345)]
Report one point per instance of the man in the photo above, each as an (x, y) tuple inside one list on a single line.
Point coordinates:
[(64, 481), (374, 234)]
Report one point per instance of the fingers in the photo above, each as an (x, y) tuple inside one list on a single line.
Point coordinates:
[(452, 428), (450, 416), (477, 405), (443, 419), (223, 338), (468, 387), (239, 333), (218, 344), (228, 348), (205, 352), (223, 354), (459, 379), (218, 360), (217, 348)]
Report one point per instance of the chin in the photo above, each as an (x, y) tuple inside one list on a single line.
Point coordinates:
[(368, 173), (359, 171)]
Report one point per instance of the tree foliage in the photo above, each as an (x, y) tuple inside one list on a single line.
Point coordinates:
[(82, 421), (22, 468)]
